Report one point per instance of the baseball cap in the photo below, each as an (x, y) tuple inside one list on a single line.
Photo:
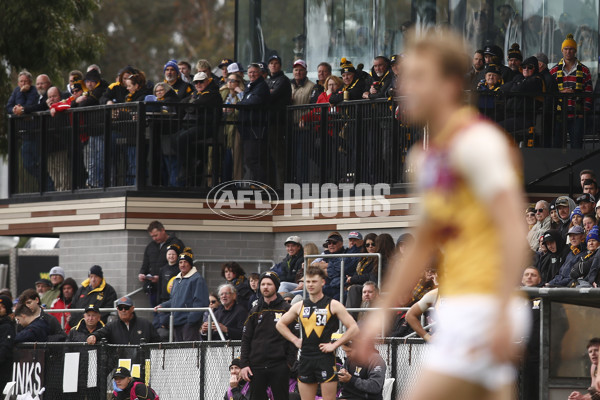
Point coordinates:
[(226, 62), (57, 271), (274, 57), (333, 236), (355, 235), (562, 201), (92, 307), (586, 197), (125, 301), (576, 230), (200, 76), (237, 362), (121, 372), (293, 239), (301, 63), (43, 281), (234, 67)]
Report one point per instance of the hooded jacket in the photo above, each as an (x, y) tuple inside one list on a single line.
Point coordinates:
[(189, 291), (563, 278), (36, 331), (563, 226), (102, 297), (259, 333), (117, 332), (534, 234), (288, 269), (550, 263), (80, 332), (366, 381)]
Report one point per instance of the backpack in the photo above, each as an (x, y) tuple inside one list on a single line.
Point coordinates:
[(151, 393)]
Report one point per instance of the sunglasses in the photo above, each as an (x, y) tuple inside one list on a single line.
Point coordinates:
[(530, 214), (233, 80), (330, 242), (540, 210), (528, 67), (370, 245), (198, 82), (123, 308), (213, 302)]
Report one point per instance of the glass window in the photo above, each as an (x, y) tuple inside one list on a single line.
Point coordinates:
[(282, 31)]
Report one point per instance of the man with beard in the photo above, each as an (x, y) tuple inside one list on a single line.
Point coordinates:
[(564, 207), (550, 263), (379, 80), (267, 368), (42, 84)]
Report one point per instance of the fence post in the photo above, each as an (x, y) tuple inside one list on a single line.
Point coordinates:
[(171, 319), (323, 143), (102, 369), (140, 148), (43, 171)]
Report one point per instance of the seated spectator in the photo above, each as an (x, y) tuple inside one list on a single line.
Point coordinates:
[(362, 379), (43, 286), (332, 266), (94, 290), (34, 328), (290, 268), (550, 263), (57, 277), (224, 67), (189, 291), (164, 92), (234, 274), (554, 216), (301, 86), (252, 124), (24, 95), (531, 277), (543, 220), (488, 89), (521, 108), (231, 315), (137, 88), (379, 80), (586, 203), (64, 301), (323, 72), (89, 324), (413, 315), (185, 70), (577, 248), (31, 299), (96, 87), (590, 186), (370, 293), (564, 207), (363, 273), (173, 78), (585, 272), (576, 218), (353, 84), (589, 221), (129, 388), (530, 217), (201, 125), (404, 243), (7, 339), (127, 329), (214, 303), (117, 91), (593, 351), (253, 279), (238, 388)]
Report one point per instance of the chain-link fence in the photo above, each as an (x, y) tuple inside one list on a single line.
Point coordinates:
[(188, 370)]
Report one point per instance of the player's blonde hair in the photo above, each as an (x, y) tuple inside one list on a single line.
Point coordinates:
[(447, 46)]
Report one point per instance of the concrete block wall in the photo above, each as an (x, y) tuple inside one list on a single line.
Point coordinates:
[(120, 253)]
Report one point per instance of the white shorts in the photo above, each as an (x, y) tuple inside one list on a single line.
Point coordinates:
[(460, 346)]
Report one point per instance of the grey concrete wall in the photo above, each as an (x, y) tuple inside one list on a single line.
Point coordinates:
[(120, 253)]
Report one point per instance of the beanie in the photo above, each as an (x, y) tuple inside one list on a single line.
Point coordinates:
[(515, 52), (346, 65), (533, 61), (271, 275), (172, 63), (576, 211), (569, 42), (92, 75), (175, 247), (187, 255), (593, 234), (97, 270)]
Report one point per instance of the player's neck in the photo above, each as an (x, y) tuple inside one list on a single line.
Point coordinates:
[(316, 297), (440, 119)]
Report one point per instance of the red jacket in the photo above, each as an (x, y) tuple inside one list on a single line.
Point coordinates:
[(59, 304)]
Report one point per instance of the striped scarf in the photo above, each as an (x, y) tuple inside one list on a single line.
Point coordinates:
[(560, 76)]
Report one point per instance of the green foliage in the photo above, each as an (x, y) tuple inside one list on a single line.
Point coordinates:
[(44, 37)]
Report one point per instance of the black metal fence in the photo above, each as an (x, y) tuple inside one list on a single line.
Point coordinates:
[(193, 147), (192, 370)]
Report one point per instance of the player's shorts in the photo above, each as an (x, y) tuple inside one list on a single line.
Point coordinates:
[(318, 369), (460, 347)]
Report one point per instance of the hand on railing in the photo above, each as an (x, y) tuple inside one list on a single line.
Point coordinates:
[(91, 339)]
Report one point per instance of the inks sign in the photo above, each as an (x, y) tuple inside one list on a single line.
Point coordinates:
[(28, 372), (242, 200)]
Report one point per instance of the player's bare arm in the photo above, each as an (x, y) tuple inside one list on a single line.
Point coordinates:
[(413, 317), (288, 318), (352, 330)]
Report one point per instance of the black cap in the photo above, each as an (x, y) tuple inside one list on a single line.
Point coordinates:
[(274, 57), (492, 68), (493, 50), (533, 61), (586, 197), (237, 362), (225, 63), (43, 281), (121, 372), (92, 307), (5, 301)]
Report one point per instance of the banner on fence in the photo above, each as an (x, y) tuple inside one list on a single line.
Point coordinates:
[(28, 371)]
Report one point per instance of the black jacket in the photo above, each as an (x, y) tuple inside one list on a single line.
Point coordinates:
[(519, 104), (183, 89), (92, 97), (252, 120), (243, 290), (80, 332), (155, 255), (381, 84), (364, 271), (211, 100), (550, 263), (316, 92), (280, 88), (140, 95), (37, 331), (103, 297), (260, 334), (142, 392), (549, 83), (115, 92), (116, 332), (233, 319), (7, 339), (356, 89), (289, 267), (166, 273), (40, 104), (56, 333)]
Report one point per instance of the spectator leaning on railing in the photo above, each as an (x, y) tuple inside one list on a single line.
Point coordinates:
[(354, 85), (24, 95), (34, 327), (189, 291), (127, 329), (31, 300), (89, 324)]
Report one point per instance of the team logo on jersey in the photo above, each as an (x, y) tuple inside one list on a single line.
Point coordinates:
[(100, 297), (324, 374), (278, 316), (536, 304), (357, 371), (306, 312)]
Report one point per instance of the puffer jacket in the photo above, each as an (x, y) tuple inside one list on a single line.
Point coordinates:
[(103, 297), (189, 291)]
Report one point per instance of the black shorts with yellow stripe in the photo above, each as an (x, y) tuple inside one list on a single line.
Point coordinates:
[(317, 369)]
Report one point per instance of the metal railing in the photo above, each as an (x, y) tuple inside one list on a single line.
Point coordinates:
[(203, 261), (343, 256), (211, 316)]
